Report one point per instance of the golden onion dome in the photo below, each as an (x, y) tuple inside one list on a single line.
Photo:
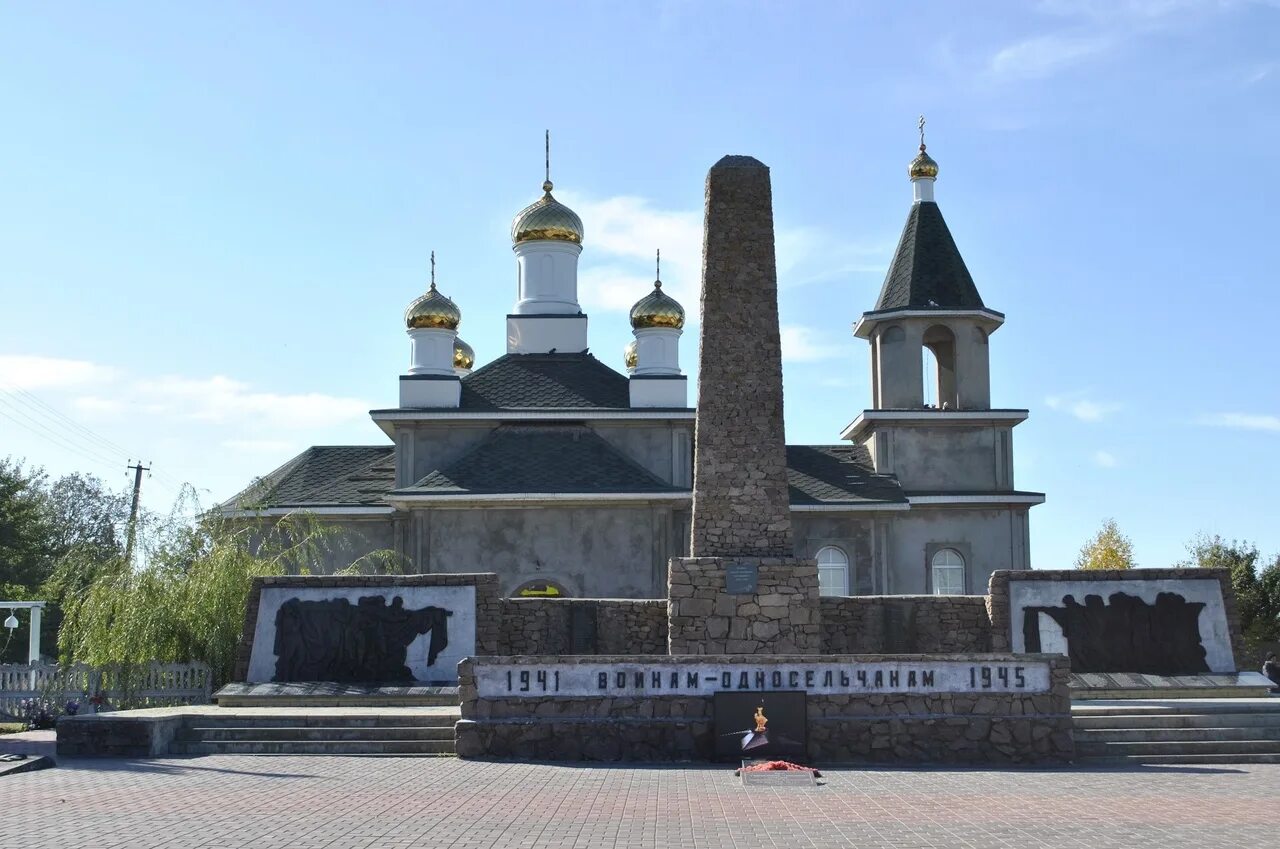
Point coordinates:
[(657, 309), (923, 166), (433, 310), (464, 357), (546, 219), (629, 355)]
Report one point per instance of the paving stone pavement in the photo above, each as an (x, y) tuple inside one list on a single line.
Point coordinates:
[(305, 802)]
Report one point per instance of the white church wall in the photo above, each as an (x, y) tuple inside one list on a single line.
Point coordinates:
[(666, 450), (946, 459), (850, 533), (987, 539), (437, 445), (594, 552), (351, 539)]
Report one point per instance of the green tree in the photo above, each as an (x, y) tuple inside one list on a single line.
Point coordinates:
[(1108, 549), (1257, 592), (26, 531), (44, 526), (187, 601)]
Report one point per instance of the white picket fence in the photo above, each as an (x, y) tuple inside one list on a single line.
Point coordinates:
[(154, 685)]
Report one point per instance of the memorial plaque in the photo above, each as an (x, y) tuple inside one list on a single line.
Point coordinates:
[(769, 726), (741, 578), (822, 676)]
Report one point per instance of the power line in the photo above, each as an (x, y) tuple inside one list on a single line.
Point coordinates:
[(40, 430), (60, 419)]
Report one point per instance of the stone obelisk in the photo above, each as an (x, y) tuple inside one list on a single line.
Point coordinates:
[(741, 591)]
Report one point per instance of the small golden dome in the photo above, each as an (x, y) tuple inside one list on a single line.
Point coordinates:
[(546, 218), (433, 310), (629, 355), (923, 166), (463, 355), (657, 309)]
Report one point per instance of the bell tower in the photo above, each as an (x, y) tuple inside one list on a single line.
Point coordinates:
[(931, 421)]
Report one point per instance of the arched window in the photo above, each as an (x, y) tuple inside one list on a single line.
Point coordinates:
[(540, 589), (833, 571), (948, 572)]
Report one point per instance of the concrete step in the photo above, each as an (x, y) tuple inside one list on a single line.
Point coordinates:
[(329, 720), (331, 701), (1257, 719), (1153, 707), (1168, 735), (314, 747), (1179, 747), (205, 733), (1129, 760)]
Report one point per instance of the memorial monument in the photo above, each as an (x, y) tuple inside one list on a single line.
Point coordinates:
[(744, 634), (740, 591)]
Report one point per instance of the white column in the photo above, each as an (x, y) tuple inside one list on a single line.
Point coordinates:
[(922, 188), (33, 639), (548, 278), (658, 350), (431, 350)]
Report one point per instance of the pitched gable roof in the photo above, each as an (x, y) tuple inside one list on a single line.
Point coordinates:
[(529, 458), (837, 474), (555, 458), (545, 381), (325, 475), (927, 271)]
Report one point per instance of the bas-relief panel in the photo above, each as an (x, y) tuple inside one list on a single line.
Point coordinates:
[(1157, 626), (363, 634)]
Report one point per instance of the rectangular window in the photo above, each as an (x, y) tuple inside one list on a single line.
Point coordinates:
[(833, 580), (948, 580)]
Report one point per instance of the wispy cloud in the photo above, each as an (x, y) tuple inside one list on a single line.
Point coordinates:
[(1083, 408), (624, 232), (23, 371), (1042, 55), (1105, 459), (1089, 29), (1259, 72), (1242, 421), (802, 344), (222, 400), (272, 447)]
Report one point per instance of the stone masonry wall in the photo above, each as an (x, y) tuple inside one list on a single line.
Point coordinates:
[(905, 624), (782, 617), (740, 499), (488, 603), (898, 728), (583, 626), (998, 596)]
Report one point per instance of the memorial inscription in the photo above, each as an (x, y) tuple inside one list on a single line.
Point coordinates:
[(659, 678)]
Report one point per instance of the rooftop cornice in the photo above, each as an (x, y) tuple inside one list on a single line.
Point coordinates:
[(867, 322), (931, 418)]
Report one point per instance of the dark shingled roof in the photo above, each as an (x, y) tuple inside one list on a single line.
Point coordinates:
[(552, 458), (325, 475), (927, 270), (545, 381), (837, 474)]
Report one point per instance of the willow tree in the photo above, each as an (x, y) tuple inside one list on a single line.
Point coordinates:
[(185, 600)]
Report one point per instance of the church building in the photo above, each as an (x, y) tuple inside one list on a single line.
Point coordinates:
[(568, 477)]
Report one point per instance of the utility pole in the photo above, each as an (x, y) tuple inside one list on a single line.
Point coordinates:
[(138, 469)]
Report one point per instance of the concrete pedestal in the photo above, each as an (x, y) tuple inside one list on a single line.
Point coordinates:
[(781, 616)]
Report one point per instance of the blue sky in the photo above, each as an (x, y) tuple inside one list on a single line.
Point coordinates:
[(212, 217)]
